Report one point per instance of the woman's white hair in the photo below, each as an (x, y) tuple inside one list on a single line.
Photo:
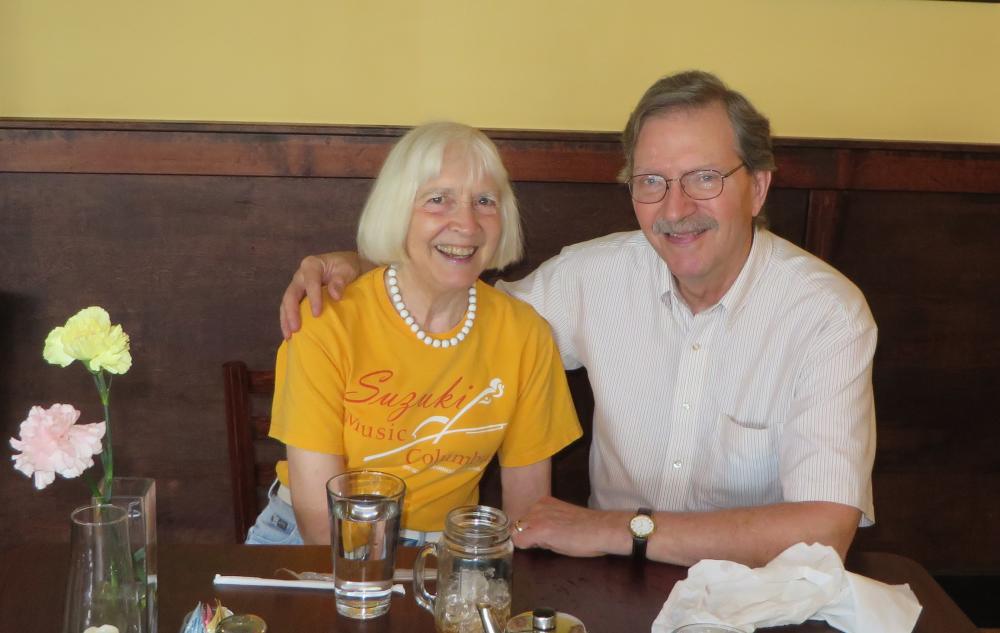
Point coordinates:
[(413, 161)]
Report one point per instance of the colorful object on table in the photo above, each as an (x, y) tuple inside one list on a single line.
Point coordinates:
[(51, 443), (205, 618)]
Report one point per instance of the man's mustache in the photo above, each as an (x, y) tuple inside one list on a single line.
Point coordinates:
[(692, 224)]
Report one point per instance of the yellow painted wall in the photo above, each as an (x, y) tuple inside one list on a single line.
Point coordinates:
[(889, 69)]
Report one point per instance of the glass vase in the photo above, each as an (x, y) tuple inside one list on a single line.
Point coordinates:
[(137, 496), (100, 589)]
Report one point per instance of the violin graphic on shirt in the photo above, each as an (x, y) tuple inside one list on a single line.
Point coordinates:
[(484, 397)]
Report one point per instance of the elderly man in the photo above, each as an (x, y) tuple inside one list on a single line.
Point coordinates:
[(731, 370)]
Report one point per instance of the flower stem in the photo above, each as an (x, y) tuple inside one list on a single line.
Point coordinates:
[(94, 489), (107, 456)]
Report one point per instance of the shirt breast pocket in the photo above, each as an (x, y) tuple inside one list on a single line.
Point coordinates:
[(740, 466)]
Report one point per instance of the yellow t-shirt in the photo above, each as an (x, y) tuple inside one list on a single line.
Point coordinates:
[(357, 382)]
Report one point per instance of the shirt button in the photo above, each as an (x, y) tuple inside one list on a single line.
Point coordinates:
[(685, 405), (677, 464), (696, 347)]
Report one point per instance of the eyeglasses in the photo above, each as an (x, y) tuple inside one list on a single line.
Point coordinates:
[(700, 184)]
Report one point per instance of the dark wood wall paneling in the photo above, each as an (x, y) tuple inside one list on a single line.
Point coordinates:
[(187, 233)]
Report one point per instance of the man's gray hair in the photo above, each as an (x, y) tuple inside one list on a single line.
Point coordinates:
[(694, 89)]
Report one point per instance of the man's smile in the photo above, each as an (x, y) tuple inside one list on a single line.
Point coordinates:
[(685, 231)]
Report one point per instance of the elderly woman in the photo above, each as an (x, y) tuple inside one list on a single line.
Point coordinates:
[(422, 370)]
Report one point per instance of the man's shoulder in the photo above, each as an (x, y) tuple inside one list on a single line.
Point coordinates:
[(515, 314), (626, 244), (806, 275), (607, 257), (588, 268)]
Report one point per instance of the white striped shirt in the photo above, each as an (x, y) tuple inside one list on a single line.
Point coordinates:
[(763, 398)]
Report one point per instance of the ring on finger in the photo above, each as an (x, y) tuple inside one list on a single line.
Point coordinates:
[(520, 526)]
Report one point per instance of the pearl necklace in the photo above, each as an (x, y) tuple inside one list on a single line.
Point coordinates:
[(397, 302)]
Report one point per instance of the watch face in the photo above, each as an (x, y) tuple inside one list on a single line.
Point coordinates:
[(641, 525)]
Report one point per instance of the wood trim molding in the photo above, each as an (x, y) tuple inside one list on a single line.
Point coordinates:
[(282, 151), (204, 149)]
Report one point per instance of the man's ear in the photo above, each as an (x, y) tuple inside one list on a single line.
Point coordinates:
[(761, 185)]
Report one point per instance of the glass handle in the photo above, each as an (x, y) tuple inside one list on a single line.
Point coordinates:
[(420, 593)]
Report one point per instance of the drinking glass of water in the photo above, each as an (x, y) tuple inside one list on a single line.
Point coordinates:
[(364, 526)]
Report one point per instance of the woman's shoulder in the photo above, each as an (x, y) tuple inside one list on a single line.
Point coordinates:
[(357, 299), (364, 290)]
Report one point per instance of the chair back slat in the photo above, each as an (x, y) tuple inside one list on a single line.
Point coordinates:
[(262, 382), (265, 473), (260, 425), (251, 467)]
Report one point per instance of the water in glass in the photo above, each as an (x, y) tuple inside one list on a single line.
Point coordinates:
[(364, 531)]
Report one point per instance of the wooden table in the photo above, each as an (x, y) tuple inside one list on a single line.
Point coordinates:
[(609, 594)]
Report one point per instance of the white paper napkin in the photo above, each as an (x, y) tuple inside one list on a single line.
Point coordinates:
[(805, 582)]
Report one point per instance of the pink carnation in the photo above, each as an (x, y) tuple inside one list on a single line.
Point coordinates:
[(51, 442)]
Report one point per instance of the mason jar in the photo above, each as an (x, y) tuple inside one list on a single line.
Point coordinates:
[(475, 556)]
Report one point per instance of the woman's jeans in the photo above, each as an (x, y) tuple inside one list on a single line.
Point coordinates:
[(276, 525)]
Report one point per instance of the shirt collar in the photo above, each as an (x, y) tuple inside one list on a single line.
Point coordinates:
[(738, 294), (665, 280), (735, 298)]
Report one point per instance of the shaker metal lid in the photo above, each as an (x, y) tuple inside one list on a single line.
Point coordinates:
[(556, 621), (543, 619)]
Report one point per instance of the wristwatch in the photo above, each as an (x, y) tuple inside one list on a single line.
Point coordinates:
[(641, 526)]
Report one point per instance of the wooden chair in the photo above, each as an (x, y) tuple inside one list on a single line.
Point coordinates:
[(252, 454)]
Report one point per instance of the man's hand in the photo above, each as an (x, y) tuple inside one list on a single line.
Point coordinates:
[(334, 270), (573, 530)]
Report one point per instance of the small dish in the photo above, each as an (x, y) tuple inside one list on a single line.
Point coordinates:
[(242, 623), (706, 627)]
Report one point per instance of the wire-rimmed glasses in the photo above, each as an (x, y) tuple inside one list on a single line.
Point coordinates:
[(700, 184)]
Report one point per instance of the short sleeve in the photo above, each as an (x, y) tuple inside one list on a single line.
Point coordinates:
[(308, 407), (828, 444), (544, 420)]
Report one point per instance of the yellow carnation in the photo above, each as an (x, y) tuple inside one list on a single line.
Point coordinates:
[(54, 351), (89, 337)]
